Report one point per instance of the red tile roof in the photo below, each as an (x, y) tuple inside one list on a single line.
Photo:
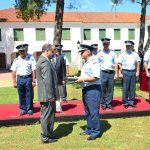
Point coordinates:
[(9, 15)]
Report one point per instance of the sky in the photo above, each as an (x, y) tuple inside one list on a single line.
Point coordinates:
[(90, 6)]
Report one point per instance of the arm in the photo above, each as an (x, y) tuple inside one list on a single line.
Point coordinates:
[(116, 71), (86, 79), (33, 78), (14, 79), (137, 69), (146, 68)]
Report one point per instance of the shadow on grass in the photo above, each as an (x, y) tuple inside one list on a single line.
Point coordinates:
[(64, 130), (104, 126)]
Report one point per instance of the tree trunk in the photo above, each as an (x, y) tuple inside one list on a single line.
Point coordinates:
[(58, 22), (148, 40), (142, 31)]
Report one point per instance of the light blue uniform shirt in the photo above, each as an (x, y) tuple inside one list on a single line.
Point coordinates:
[(24, 67), (107, 59), (91, 68), (147, 58), (128, 60)]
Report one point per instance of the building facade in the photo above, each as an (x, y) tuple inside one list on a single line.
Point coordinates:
[(86, 27)]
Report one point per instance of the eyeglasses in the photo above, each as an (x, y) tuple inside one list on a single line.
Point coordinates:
[(21, 51)]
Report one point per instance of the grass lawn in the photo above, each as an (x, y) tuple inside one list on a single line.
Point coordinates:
[(117, 134)]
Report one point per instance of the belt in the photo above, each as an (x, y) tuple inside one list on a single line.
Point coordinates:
[(25, 76), (108, 71), (128, 70)]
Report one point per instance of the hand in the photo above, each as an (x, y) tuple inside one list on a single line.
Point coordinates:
[(148, 74), (63, 82), (33, 84), (51, 99), (137, 74), (120, 75), (15, 85), (115, 76), (80, 80)]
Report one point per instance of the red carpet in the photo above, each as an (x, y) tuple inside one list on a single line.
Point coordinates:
[(71, 109)]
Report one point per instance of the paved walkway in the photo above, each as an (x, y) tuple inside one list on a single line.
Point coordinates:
[(5, 79)]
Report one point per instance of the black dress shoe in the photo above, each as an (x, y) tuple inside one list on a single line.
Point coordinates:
[(125, 106), (50, 140), (22, 113), (83, 133), (90, 138), (132, 105), (103, 107), (110, 107)]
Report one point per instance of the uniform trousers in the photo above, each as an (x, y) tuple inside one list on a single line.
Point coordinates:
[(25, 91), (107, 86), (129, 86), (47, 119), (91, 100)]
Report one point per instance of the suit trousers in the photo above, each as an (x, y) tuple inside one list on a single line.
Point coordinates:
[(91, 100), (47, 118), (129, 86), (25, 91), (107, 87)]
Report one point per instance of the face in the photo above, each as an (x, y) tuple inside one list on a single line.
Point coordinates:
[(50, 53), (22, 53), (106, 45), (85, 54), (129, 47)]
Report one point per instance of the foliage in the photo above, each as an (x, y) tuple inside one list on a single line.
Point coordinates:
[(31, 9)]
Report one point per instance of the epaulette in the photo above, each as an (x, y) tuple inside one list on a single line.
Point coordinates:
[(122, 52), (15, 59), (94, 61)]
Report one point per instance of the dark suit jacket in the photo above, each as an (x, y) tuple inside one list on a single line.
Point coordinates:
[(60, 68), (46, 80)]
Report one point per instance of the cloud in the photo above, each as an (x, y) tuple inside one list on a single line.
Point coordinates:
[(88, 5)]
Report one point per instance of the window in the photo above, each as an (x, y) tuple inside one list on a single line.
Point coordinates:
[(117, 34), (87, 34), (18, 35), (40, 34), (66, 34), (0, 35), (117, 51), (102, 33), (68, 54), (131, 34)]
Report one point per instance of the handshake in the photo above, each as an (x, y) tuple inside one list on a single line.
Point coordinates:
[(72, 79)]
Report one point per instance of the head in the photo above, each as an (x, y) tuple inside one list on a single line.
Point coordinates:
[(48, 50), (86, 51), (22, 50), (58, 48), (106, 43), (95, 48), (129, 45)]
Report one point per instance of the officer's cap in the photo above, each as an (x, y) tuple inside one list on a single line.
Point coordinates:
[(85, 47), (94, 46), (22, 47), (105, 40), (129, 42), (58, 46)]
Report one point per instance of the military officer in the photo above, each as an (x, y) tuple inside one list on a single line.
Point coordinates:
[(129, 62), (90, 80), (109, 72), (23, 76), (147, 68)]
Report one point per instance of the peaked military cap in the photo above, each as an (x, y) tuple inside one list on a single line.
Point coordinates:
[(94, 45), (58, 46), (129, 42), (22, 47), (85, 47), (105, 40)]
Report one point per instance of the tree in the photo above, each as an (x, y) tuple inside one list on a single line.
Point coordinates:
[(34, 9)]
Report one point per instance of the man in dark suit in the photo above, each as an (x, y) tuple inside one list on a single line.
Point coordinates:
[(60, 67), (47, 93)]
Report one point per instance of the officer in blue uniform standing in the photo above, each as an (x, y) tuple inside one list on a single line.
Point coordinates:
[(129, 62), (95, 51), (23, 76), (147, 68), (90, 79), (109, 72)]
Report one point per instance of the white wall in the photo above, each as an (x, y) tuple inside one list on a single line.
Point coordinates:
[(8, 44)]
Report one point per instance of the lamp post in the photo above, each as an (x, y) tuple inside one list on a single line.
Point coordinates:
[(78, 44)]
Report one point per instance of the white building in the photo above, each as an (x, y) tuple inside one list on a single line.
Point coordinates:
[(87, 27)]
